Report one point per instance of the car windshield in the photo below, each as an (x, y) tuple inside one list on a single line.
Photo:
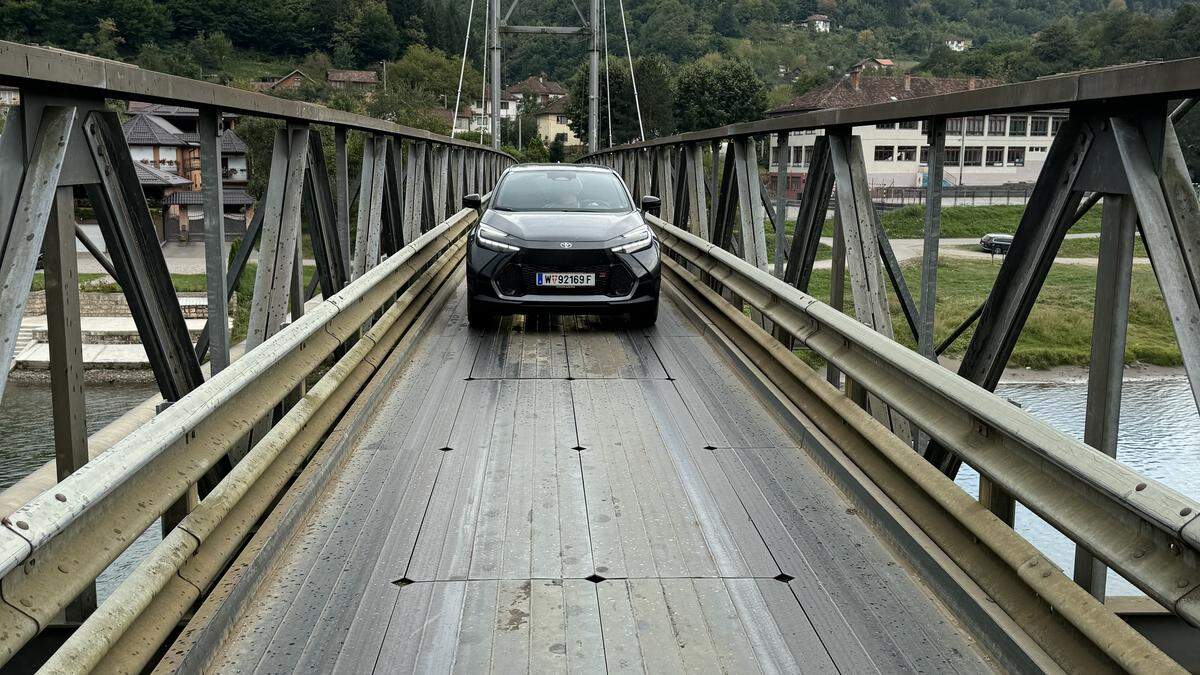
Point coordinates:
[(561, 190)]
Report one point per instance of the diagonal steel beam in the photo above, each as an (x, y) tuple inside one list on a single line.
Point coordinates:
[(27, 227), (276, 272), (1170, 221), (322, 226), (133, 244), (810, 220), (370, 205)]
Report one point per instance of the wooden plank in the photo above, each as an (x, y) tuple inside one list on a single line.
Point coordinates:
[(518, 532), (402, 642), (734, 652), (585, 641), (622, 652), (681, 438), (510, 645), (548, 626), (768, 642), (576, 542), (806, 646), (545, 544), (655, 632), (690, 634), (626, 508), (439, 636), (608, 555), (610, 354), (474, 649), (488, 548)]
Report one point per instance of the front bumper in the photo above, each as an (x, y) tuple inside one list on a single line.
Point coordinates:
[(502, 283)]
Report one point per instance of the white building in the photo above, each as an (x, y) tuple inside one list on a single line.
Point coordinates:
[(537, 89), (958, 44), (987, 150), (818, 22), (10, 96)]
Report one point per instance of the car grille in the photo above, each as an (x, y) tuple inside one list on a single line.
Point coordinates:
[(613, 280)]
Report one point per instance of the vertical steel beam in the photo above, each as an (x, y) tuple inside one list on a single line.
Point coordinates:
[(1109, 323), (782, 164), (208, 126), (366, 244), (697, 218), (342, 168), (837, 287), (810, 220), (936, 130), (322, 226), (234, 274), (66, 357), (27, 227), (750, 208), (859, 228), (414, 188), (276, 274), (1171, 228)]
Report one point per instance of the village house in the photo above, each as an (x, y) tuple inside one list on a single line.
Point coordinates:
[(552, 123), (958, 44), (818, 23), (987, 150), (352, 80), (165, 148), (290, 82)]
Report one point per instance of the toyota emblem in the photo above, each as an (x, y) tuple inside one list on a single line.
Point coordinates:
[(565, 244)]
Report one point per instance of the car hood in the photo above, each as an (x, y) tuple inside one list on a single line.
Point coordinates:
[(563, 226)]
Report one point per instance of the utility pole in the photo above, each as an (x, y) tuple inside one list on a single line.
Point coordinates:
[(494, 30), (594, 80)]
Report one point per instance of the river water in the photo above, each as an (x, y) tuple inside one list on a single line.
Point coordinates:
[(1160, 438)]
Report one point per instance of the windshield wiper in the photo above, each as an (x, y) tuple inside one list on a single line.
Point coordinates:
[(501, 208)]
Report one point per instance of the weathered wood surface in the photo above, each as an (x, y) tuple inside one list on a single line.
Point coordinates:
[(566, 494)]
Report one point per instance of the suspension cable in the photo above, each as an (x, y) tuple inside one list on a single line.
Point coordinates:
[(632, 78), (462, 70), (607, 82)]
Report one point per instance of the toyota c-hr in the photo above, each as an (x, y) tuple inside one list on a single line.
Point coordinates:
[(562, 239)]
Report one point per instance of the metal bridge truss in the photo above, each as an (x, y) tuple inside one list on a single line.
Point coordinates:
[(213, 462), (375, 273)]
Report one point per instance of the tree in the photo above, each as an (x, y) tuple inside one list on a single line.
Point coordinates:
[(558, 149), (430, 77), (726, 23), (716, 92), (104, 41), (211, 52), (172, 61), (535, 150), (941, 62)]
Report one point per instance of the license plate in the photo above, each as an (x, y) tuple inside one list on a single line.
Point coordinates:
[(566, 279)]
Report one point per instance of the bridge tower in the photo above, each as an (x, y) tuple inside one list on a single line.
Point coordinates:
[(498, 25)]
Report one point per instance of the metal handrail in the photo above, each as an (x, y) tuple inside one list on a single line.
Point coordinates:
[(55, 530), (1147, 532), (38, 67), (1169, 79)]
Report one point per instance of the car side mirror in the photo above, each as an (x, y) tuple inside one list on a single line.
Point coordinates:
[(651, 204), (472, 201)]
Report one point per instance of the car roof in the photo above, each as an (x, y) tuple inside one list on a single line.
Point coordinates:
[(569, 167)]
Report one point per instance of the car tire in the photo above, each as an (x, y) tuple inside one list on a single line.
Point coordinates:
[(644, 317), (477, 316)]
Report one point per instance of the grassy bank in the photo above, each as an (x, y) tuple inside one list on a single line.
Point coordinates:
[(1075, 248), (908, 222), (1058, 332)]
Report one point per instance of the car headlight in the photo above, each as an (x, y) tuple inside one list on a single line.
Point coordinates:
[(489, 237), (637, 238)]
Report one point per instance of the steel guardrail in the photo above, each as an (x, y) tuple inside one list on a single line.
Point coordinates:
[(61, 540), (1147, 532)]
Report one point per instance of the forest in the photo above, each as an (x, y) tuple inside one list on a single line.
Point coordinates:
[(697, 64)]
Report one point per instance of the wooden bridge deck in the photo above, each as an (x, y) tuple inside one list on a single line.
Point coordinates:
[(564, 494)]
